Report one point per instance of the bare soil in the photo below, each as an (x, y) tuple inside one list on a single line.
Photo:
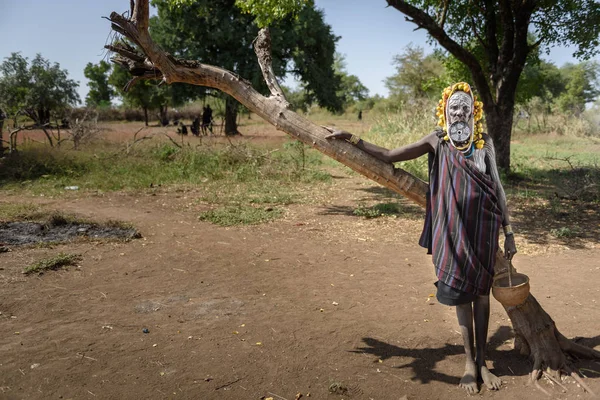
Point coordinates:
[(320, 303)]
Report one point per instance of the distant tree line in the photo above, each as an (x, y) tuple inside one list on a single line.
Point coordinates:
[(217, 32)]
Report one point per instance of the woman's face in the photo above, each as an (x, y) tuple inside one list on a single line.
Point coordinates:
[(460, 108)]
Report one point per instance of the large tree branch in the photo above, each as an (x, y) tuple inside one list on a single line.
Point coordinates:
[(508, 42), (272, 109), (262, 47), (490, 34), (521, 48), (425, 21)]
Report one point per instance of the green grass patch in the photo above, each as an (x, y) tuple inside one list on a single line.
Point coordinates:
[(564, 232), (378, 210), (395, 130), (240, 215), (41, 170), (53, 263), (20, 212)]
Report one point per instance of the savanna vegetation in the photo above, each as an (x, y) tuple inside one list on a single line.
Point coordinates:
[(543, 117)]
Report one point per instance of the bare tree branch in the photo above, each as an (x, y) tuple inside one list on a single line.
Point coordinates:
[(262, 48), (425, 21)]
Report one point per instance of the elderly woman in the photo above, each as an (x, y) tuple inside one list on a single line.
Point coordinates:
[(466, 206)]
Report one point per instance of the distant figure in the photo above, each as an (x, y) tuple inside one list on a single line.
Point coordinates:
[(360, 115), (183, 129), (195, 128), (207, 120)]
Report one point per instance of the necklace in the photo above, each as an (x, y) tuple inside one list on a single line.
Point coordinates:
[(469, 151)]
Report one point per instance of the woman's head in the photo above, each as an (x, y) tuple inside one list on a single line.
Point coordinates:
[(459, 116)]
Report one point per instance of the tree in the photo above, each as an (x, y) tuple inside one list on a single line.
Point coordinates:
[(492, 40), (145, 95), (217, 32), (351, 88), (2, 118), (100, 91), (37, 90), (417, 76), (536, 333), (581, 86)]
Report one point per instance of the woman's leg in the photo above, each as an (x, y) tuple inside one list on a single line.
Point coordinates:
[(464, 312), (481, 308)]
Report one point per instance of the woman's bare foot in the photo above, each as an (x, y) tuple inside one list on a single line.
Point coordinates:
[(469, 379), (490, 380)]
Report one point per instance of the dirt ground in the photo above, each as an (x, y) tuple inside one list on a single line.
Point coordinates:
[(320, 303)]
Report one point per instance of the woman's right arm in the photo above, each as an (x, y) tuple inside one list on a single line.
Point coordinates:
[(404, 153)]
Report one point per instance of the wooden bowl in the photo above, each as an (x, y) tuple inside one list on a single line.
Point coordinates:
[(510, 296)]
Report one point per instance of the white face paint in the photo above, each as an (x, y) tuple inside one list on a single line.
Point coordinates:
[(459, 114), (460, 108)]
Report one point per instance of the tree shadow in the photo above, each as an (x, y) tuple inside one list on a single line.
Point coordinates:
[(506, 362), (565, 222), (424, 361), (378, 201), (556, 206)]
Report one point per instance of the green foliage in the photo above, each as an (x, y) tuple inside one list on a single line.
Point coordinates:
[(100, 92), (351, 88), (240, 215), (53, 263), (581, 86), (218, 33), (559, 22), (417, 76), (267, 12), (145, 94), (37, 89)]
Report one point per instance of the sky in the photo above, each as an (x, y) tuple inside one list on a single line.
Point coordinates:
[(73, 33)]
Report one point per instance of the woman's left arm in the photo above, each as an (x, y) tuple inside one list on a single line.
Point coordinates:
[(509, 239)]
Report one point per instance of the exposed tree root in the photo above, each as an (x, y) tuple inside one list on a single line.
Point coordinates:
[(537, 337)]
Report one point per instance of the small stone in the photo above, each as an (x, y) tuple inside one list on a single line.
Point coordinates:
[(146, 330)]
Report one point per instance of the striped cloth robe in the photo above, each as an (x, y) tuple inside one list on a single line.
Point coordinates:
[(462, 221)]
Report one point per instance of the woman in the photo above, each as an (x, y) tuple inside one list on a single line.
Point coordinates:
[(466, 206)]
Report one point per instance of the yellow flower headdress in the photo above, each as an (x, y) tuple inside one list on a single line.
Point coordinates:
[(477, 112)]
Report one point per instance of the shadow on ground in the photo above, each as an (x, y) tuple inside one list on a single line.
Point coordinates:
[(506, 362)]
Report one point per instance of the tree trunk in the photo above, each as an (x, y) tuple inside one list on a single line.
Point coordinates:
[(231, 111), (499, 120), (48, 135), (162, 114), (145, 115), (274, 109), (1, 135)]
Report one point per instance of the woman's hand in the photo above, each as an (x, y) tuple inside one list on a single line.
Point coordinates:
[(337, 134), (509, 247)]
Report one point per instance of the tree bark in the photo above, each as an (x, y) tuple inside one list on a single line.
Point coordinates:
[(499, 121), (145, 115), (544, 345), (162, 115), (231, 112)]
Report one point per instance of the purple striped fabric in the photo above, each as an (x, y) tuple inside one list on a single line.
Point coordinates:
[(462, 222)]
